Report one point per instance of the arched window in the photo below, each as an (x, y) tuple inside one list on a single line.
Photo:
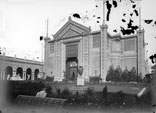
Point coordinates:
[(36, 74), (19, 71), (8, 72), (28, 74)]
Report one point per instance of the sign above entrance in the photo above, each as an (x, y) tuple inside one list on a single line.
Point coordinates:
[(72, 50), (73, 64)]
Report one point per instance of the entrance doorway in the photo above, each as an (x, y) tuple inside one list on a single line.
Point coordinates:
[(72, 68)]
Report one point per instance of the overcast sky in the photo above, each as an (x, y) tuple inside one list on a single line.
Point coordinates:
[(22, 22)]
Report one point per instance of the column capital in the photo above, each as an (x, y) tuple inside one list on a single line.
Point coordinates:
[(46, 38), (140, 31), (104, 26)]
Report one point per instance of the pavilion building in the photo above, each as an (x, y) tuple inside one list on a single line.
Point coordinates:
[(76, 45)]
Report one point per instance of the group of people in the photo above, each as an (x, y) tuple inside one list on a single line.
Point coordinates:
[(14, 77), (17, 77)]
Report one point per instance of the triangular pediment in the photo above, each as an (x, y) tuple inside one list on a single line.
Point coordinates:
[(71, 29), (71, 33)]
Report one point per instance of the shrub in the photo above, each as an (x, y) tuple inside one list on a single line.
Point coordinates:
[(95, 79), (110, 74), (89, 92), (125, 75), (117, 75), (50, 79), (148, 78), (49, 91), (89, 96), (16, 88), (133, 75), (58, 90), (66, 93)]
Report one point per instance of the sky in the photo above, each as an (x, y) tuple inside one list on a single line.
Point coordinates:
[(22, 22)]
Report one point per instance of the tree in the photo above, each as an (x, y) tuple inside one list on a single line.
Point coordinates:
[(118, 73), (125, 75), (139, 77), (133, 74), (110, 74)]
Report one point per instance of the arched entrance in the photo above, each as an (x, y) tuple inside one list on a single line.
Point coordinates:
[(36, 74), (19, 71), (72, 61), (8, 72), (72, 68), (28, 74)]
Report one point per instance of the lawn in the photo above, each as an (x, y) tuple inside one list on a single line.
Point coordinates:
[(112, 87), (119, 95)]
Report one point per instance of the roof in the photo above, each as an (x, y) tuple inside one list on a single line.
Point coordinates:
[(73, 29)]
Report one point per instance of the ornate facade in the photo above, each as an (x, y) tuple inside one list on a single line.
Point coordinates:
[(76, 45)]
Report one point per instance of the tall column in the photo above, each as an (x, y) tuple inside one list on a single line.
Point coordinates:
[(89, 57), (24, 75), (80, 53), (141, 53), (58, 61), (3, 75), (85, 57), (54, 65), (63, 60), (46, 52), (103, 51), (32, 76)]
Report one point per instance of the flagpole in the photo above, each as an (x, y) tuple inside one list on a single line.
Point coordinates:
[(45, 69), (140, 18), (137, 44), (103, 12), (47, 27)]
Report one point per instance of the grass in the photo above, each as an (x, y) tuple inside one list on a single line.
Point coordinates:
[(63, 90)]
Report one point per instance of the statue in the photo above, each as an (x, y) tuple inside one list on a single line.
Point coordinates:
[(80, 70), (80, 79)]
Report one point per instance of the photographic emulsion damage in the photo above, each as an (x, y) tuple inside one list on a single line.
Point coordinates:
[(77, 56)]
